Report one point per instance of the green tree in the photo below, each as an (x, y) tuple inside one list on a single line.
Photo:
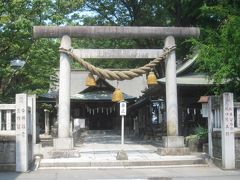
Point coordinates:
[(17, 17), (220, 44), (142, 13), (218, 19), (219, 55)]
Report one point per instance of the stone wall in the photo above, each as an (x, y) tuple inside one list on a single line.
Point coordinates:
[(237, 149), (217, 144), (7, 153), (217, 148)]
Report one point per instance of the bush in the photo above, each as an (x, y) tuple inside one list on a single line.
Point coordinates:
[(201, 132), (195, 141)]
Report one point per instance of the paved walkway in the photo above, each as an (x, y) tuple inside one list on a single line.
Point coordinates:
[(100, 150), (105, 147)]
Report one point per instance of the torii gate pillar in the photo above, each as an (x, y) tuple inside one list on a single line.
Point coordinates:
[(64, 141), (171, 90), (172, 143)]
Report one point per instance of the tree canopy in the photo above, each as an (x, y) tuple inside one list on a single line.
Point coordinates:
[(219, 42), (219, 46), (17, 17)]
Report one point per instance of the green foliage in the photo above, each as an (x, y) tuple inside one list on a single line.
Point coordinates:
[(218, 19), (201, 132), (206, 14), (192, 139), (143, 13), (17, 17), (219, 42), (219, 47), (46, 106), (139, 13)]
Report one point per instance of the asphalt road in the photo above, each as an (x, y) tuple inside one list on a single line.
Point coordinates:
[(188, 173)]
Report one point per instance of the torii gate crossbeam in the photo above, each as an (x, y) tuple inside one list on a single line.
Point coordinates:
[(113, 31)]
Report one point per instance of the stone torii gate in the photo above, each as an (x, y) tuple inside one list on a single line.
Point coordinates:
[(172, 142)]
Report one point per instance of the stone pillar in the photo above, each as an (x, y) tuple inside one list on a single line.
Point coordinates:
[(47, 126), (33, 124), (64, 141), (172, 143), (210, 127), (22, 150), (227, 131), (238, 117), (171, 90), (32, 105)]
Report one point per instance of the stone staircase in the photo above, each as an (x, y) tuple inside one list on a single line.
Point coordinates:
[(82, 163)]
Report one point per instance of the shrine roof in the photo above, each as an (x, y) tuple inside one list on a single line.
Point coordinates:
[(101, 95), (191, 79)]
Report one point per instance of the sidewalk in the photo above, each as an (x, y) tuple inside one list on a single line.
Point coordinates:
[(187, 173)]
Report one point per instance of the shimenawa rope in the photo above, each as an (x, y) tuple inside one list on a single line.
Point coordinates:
[(118, 75)]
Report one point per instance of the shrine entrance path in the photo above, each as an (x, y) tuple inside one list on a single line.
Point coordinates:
[(108, 143), (98, 149)]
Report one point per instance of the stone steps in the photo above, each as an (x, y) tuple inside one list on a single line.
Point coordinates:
[(102, 132), (164, 161)]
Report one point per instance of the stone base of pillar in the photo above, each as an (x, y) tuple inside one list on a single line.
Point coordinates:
[(173, 151), (173, 145), (64, 153), (173, 141), (63, 143)]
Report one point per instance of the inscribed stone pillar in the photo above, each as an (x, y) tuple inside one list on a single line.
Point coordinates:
[(171, 90), (22, 149), (227, 131)]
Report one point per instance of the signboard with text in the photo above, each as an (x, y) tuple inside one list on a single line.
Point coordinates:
[(123, 108)]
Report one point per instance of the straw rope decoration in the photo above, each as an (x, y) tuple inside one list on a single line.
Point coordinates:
[(118, 75)]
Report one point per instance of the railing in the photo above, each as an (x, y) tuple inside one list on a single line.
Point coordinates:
[(216, 116), (7, 119), (222, 128), (237, 116)]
